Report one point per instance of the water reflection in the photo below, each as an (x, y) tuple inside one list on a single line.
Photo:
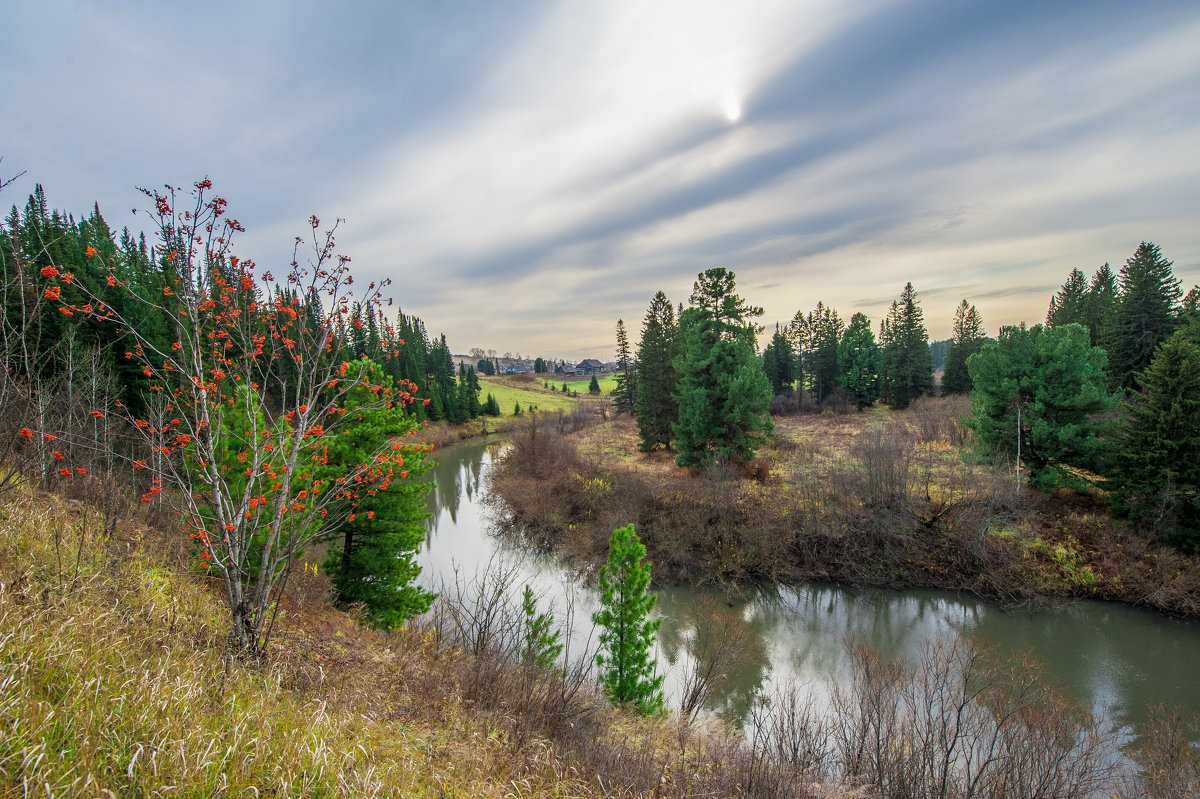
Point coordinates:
[(1113, 658)]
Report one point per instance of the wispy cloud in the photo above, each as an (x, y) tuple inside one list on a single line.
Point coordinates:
[(529, 172)]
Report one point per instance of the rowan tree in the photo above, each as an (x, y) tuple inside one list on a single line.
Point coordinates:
[(238, 340)]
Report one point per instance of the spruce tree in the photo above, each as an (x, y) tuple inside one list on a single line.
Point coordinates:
[(491, 407), (1037, 396), (625, 394), (628, 634), (859, 361), (968, 339), (1069, 305), (1155, 463), (656, 408), (594, 386), (372, 562), (817, 337), (1100, 305), (779, 362), (723, 392), (907, 362), (1146, 314)]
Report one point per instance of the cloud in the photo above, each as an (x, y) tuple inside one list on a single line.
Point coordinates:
[(529, 172)]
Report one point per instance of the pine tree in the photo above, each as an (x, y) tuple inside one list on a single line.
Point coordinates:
[(907, 363), (859, 361), (1037, 394), (627, 636), (723, 392), (594, 386), (1155, 464), (968, 339), (373, 560), (539, 366), (625, 394), (1146, 314), (656, 408), (542, 643)]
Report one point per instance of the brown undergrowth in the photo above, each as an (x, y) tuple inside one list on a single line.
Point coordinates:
[(882, 498), (116, 679)]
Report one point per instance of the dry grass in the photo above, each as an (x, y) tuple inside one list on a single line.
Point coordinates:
[(888, 498), (115, 680)]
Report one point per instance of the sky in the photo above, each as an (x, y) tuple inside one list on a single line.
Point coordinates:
[(528, 172)]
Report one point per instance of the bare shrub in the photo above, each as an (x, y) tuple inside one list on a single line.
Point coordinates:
[(954, 724), (717, 648), (884, 454), (785, 403), (838, 401), (1169, 762), (789, 728)]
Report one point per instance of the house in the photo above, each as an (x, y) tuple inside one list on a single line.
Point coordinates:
[(589, 366)]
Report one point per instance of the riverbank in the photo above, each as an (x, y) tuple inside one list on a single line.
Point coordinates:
[(116, 679), (882, 498), (530, 394)]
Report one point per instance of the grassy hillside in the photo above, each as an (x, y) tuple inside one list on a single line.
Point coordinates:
[(115, 680), (508, 391)]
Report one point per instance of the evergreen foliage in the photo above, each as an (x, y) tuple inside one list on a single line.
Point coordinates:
[(491, 407), (1155, 462), (817, 337), (907, 371), (373, 560), (1037, 392), (628, 634), (723, 393), (1146, 314), (968, 339), (485, 367), (594, 386), (859, 362), (779, 362), (1069, 305), (625, 394), (656, 407), (542, 643), (539, 366), (1100, 306)]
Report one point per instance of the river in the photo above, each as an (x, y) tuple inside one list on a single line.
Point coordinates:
[(1115, 659)]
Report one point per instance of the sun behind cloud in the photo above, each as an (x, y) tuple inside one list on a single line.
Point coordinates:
[(731, 107)]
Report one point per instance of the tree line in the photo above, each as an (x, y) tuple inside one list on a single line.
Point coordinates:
[(1104, 393), (269, 411)]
